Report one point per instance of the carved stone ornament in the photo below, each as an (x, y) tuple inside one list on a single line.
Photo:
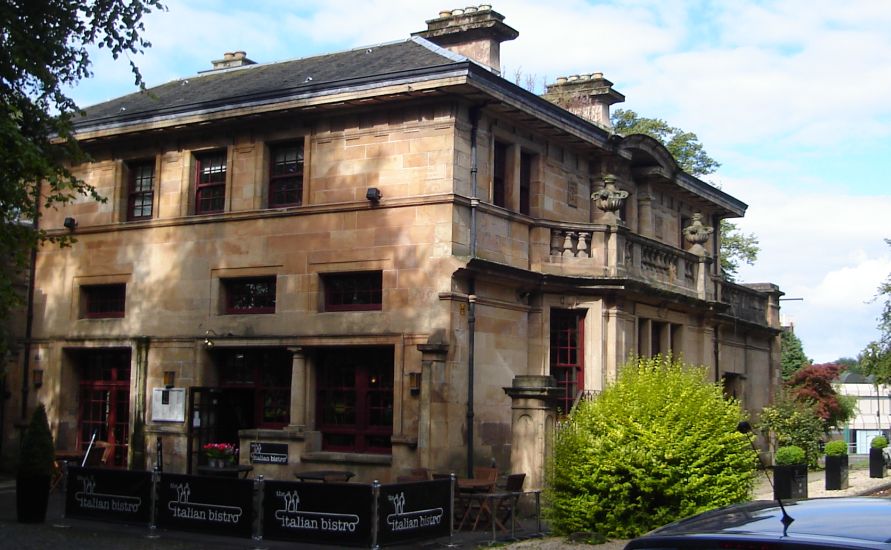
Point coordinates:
[(609, 199), (696, 233)]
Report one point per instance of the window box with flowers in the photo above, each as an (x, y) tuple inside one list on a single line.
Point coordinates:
[(219, 455)]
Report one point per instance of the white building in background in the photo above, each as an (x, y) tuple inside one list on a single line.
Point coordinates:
[(873, 410)]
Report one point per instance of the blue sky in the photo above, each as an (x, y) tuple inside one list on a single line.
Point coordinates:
[(793, 97)]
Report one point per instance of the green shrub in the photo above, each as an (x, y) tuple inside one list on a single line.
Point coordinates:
[(836, 448), (879, 442), (794, 423), (790, 454), (37, 452), (657, 445)]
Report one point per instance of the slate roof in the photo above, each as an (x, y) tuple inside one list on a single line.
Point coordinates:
[(272, 80)]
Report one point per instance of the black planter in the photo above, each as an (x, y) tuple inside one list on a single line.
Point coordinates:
[(836, 473), (876, 463), (31, 498), (790, 481)]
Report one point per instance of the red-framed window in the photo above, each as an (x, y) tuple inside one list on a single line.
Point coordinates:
[(264, 376), (104, 400), (499, 174), (286, 174), (568, 355), (354, 399), (248, 295), (104, 301), (210, 182), (355, 291), (525, 182), (141, 190)]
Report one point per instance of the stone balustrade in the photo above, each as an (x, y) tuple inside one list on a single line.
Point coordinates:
[(603, 250)]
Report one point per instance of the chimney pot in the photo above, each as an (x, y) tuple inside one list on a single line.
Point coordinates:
[(476, 33), (228, 55)]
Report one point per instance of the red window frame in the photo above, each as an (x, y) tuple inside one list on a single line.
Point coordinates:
[(568, 355), (104, 400), (353, 291), (141, 190), (499, 174), (104, 301), (267, 373), (354, 400), (250, 295), (286, 174), (210, 182)]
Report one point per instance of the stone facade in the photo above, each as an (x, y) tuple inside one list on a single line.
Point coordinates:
[(515, 243)]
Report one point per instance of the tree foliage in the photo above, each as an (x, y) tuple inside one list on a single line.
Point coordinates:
[(736, 247), (875, 359), (45, 52), (657, 445), (815, 384), (792, 355), (792, 422)]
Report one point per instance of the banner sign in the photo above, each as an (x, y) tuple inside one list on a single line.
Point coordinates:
[(414, 510), (330, 513), (217, 505), (263, 452), (109, 495)]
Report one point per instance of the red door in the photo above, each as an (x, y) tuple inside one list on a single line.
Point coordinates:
[(104, 401)]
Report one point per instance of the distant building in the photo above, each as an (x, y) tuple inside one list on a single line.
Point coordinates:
[(381, 259), (873, 411)]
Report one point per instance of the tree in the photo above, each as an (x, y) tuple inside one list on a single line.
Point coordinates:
[(658, 444), (793, 422), (814, 384), (875, 359), (45, 52), (792, 355), (736, 246)]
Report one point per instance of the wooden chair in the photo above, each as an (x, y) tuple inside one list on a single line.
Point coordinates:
[(100, 454), (506, 503)]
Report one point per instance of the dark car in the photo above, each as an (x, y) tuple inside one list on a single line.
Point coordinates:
[(863, 522)]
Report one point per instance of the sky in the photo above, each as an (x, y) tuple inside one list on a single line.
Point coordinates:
[(792, 97)]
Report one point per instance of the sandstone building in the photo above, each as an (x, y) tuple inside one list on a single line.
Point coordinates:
[(381, 259)]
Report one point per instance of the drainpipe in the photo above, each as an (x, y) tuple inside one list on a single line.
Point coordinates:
[(471, 314), (29, 317)]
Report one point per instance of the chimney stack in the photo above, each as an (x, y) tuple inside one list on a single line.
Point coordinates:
[(474, 32), (588, 96), (231, 60)]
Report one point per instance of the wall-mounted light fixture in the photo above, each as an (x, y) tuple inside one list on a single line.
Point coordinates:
[(37, 378), (169, 379), (373, 194), (208, 343), (70, 224), (414, 382)]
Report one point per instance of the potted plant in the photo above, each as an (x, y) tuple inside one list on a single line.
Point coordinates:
[(877, 456), (836, 465), (790, 473), (219, 454), (36, 458)]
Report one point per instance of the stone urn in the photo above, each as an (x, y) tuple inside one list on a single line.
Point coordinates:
[(609, 199)]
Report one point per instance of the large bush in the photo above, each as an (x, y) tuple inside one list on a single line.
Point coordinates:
[(793, 422), (657, 445)]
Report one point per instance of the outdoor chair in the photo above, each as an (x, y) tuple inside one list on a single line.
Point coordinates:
[(100, 454), (505, 504)]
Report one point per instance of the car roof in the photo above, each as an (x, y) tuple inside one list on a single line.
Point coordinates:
[(863, 522)]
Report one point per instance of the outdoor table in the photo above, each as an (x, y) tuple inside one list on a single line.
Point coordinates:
[(226, 471), (324, 475)]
